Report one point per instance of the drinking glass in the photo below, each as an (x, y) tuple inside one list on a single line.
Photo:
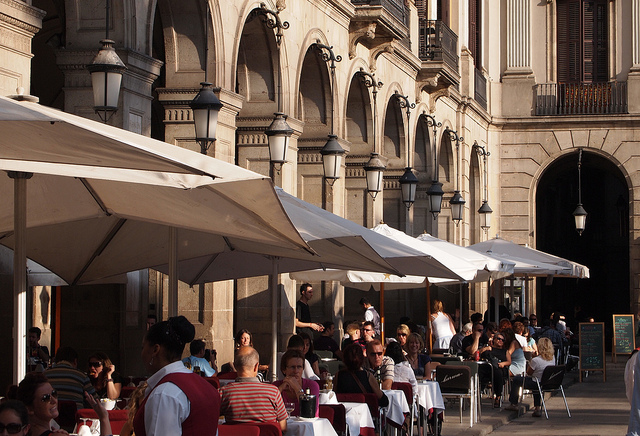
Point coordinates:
[(289, 405)]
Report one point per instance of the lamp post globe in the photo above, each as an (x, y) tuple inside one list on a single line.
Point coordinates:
[(408, 185), (485, 215), (457, 207), (106, 77), (278, 134), (374, 170), (580, 216), (435, 194), (205, 106), (332, 154)]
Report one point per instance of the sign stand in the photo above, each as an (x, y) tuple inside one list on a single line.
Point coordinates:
[(624, 336), (592, 353)]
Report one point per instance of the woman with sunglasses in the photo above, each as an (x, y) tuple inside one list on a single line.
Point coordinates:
[(402, 334), (41, 400), (14, 418), (103, 376), (176, 400)]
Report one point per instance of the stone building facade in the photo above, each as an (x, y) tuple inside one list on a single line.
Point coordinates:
[(510, 76)]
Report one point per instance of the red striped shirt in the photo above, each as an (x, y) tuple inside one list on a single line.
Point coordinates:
[(249, 401)]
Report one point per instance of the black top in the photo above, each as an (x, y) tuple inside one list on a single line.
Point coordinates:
[(468, 341), (303, 314), (347, 384), (326, 343), (102, 393)]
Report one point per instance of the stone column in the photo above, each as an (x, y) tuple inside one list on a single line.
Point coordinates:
[(518, 80), (633, 82)]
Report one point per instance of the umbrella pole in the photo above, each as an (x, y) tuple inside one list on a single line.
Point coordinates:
[(428, 338), (173, 271), (382, 312), (274, 318), (20, 274)]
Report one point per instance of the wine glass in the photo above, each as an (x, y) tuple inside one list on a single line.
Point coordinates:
[(289, 406)]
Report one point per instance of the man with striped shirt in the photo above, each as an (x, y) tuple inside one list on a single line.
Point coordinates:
[(249, 400), (67, 379)]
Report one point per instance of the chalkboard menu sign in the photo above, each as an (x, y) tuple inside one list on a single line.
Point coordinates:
[(624, 338), (592, 347)]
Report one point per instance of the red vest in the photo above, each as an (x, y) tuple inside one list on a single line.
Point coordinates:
[(204, 401)]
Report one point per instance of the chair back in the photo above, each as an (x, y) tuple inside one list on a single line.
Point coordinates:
[(552, 377), (339, 417), (269, 428), (228, 375), (238, 430), (473, 365), (324, 354), (350, 398), (528, 355), (454, 378), (326, 412), (406, 388), (439, 350), (126, 391), (213, 381)]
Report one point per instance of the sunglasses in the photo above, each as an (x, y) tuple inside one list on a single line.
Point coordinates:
[(47, 397), (11, 428), (376, 354), (402, 334), (95, 364), (499, 339)]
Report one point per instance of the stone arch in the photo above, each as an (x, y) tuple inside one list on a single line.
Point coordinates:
[(606, 197), (358, 122), (476, 193), (314, 96)]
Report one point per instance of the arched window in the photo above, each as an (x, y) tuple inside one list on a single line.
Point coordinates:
[(582, 41)]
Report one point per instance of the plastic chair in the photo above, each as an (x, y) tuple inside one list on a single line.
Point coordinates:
[(455, 381), (475, 378), (238, 430), (324, 354), (369, 399), (228, 375), (269, 428), (214, 381), (326, 412), (551, 381), (126, 392)]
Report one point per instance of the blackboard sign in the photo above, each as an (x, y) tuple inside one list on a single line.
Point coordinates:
[(624, 338), (592, 347)]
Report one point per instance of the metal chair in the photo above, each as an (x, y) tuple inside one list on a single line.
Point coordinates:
[(456, 381), (551, 381), (238, 430), (411, 400), (475, 378)]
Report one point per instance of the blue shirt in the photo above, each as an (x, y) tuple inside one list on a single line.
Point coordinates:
[(202, 363)]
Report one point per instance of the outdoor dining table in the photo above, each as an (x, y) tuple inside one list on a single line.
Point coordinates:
[(358, 416), (430, 398), (297, 426), (397, 407)]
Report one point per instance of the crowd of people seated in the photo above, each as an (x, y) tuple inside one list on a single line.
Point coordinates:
[(173, 399)]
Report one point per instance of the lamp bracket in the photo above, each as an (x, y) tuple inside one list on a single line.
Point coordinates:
[(403, 102), (272, 20)]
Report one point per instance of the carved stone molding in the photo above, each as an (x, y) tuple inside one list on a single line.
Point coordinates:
[(360, 30)]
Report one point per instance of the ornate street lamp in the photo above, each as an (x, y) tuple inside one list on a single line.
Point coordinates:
[(457, 202), (408, 186), (205, 106), (374, 169), (278, 134), (484, 211), (580, 215), (434, 191), (106, 76), (332, 154)]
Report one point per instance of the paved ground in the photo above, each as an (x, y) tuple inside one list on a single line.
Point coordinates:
[(597, 408)]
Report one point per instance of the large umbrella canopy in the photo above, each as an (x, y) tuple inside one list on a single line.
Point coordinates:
[(529, 261), (488, 267), (363, 280), (339, 243)]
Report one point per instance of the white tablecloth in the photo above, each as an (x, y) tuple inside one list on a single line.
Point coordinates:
[(398, 406), (309, 427), (358, 416), (429, 395)]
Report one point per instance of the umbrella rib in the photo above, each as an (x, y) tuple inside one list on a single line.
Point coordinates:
[(204, 268), (95, 196), (116, 228)]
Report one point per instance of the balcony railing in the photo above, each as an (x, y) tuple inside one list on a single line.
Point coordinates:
[(394, 7), (480, 88), (581, 98), (438, 43)]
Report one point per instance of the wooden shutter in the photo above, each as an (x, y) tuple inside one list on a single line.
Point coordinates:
[(582, 41), (474, 31)]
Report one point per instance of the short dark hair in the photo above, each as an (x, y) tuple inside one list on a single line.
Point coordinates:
[(304, 286), (66, 353), (288, 355), (353, 357), (476, 318), (328, 324), (172, 335), (368, 323), (394, 350), (28, 386), (36, 330), (18, 407), (295, 341), (364, 301), (196, 346)]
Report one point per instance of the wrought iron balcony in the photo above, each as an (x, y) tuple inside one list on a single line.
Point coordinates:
[(480, 85), (377, 24), (396, 8), (581, 98), (438, 50)]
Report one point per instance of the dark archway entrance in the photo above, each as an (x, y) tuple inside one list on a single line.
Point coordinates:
[(603, 247)]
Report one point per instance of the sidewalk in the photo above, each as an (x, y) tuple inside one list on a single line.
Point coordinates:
[(597, 408)]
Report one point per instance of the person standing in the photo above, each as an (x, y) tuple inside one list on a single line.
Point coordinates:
[(37, 354), (176, 402), (370, 314), (303, 314), (442, 327)]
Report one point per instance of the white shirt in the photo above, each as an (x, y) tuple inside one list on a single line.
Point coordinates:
[(167, 406), (521, 340), (402, 372), (371, 314)]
